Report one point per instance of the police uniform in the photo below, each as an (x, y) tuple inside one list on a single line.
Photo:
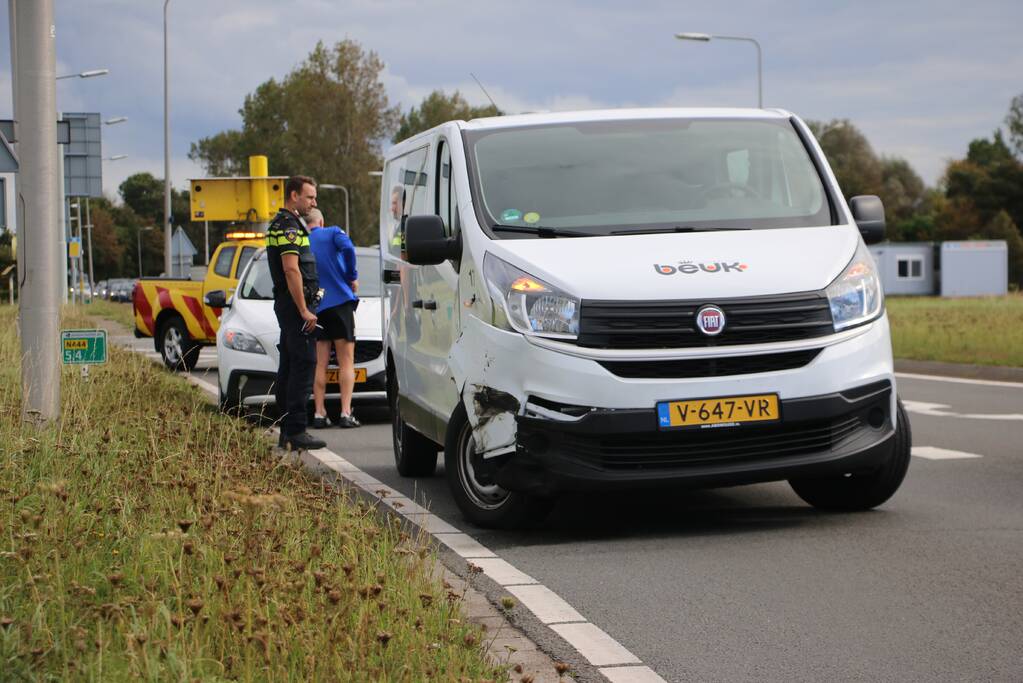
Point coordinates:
[(288, 235)]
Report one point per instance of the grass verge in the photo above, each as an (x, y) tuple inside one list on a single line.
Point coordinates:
[(111, 310), (980, 331), (146, 536)]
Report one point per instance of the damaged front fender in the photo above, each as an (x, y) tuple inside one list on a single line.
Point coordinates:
[(489, 386)]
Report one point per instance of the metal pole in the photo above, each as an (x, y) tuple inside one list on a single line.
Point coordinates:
[(348, 225), (166, 154), (81, 254), (88, 225), (64, 211), (36, 112), (207, 242), (139, 235), (760, 67)]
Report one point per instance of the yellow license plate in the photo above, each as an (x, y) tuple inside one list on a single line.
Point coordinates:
[(728, 411), (332, 377)]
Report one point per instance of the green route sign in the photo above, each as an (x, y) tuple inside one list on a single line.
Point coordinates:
[(83, 347)]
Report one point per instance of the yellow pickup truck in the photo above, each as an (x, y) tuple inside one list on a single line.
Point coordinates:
[(175, 312)]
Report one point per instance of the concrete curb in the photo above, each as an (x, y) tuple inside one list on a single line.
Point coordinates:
[(997, 373)]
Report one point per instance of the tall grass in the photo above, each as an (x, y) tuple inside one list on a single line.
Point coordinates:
[(981, 331), (145, 536)]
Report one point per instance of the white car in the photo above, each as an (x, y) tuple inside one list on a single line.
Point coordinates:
[(635, 298), (247, 354)]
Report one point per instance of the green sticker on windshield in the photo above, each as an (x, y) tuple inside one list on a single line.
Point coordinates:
[(531, 217), (509, 215)]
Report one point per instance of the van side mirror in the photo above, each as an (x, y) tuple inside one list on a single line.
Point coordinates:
[(425, 241), (868, 212), (217, 299)]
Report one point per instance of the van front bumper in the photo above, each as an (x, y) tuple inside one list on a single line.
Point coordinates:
[(833, 434)]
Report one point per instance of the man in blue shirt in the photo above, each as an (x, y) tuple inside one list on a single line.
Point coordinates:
[(339, 278)]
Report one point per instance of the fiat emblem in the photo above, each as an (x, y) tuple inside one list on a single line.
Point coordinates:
[(710, 320)]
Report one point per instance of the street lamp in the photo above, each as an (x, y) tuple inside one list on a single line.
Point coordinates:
[(115, 119), (166, 154), (707, 37), (116, 157), (85, 74), (328, 186)]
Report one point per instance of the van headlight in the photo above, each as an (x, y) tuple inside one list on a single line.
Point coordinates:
[(241, 341), (527, 304), (855, 295)]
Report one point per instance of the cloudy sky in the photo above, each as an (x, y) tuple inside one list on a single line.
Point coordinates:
[(921, 79)]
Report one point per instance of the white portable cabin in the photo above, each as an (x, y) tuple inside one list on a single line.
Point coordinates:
[(905, 267), (975, 268)]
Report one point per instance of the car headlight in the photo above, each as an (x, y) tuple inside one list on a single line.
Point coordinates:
[(241, 341), (855, 295), (527, 304)]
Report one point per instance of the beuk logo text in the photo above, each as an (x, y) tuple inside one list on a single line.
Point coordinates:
[(689, 268)]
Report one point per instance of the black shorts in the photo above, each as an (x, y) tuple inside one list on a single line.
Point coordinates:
[(338, 322)]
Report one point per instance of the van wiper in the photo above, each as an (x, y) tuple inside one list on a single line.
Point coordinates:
[(676, 228), (540, 231)]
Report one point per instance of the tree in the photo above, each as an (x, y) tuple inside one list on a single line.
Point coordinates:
[(325, 119), (851, 157), (1002, 227), (1014, 122), (107, 249), (144, 194), (438, 108), (990, 177)]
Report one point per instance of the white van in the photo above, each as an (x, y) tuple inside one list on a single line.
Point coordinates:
[(654, 297)]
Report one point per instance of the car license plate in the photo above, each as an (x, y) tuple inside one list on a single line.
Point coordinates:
[(332, 377), (728, 411)]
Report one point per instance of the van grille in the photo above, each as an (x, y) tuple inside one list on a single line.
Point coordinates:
[(672, 324), (672, 449), (711, 367)]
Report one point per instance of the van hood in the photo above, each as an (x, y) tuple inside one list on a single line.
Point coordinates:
[(687, 265)]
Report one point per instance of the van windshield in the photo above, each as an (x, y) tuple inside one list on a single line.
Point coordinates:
[(615, 177)]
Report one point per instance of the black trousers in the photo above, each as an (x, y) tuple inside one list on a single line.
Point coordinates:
[(295, 373)]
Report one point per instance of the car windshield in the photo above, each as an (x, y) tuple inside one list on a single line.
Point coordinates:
[(258, 285), (645, 175), (368, 264)]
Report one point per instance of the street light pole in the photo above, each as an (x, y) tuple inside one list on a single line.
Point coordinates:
[(35, 108), (706, 37), (329, 186), (167, 220), (140, 231)]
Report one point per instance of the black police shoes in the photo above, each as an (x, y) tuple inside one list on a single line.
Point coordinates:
[(303, 442)]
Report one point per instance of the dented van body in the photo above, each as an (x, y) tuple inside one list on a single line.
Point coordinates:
[(634, 298)]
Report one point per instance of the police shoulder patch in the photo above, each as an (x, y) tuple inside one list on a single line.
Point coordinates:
[(291, 234)]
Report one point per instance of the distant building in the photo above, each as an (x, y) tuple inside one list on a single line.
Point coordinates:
[(970, 268), (906, 267), (975, 268)]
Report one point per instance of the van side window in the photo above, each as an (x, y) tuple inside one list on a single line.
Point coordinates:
[(224, 260), (243, 260), (408, 181), (444, 191)]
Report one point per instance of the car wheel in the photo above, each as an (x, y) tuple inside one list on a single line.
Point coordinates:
[(862, 491), (484, 502), (177, 348), (414, 454)]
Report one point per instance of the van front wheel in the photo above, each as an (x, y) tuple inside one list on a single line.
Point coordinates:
[(862, 491), (483, 502)]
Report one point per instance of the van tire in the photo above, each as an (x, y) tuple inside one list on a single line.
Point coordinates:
[(178, 350), (414, 454), (485, 506), (862, 492)]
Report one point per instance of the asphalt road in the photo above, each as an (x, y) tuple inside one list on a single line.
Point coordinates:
[(749, 583)]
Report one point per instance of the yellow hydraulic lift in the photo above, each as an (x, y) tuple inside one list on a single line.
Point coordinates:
[(255, 198)]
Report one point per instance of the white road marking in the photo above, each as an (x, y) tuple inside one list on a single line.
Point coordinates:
[(631, 674), (597, 647), (934, 453), (547, 605), (940, 410), (961, 380)]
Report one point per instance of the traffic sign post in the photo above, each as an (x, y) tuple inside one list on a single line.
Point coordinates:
[(83, 347)]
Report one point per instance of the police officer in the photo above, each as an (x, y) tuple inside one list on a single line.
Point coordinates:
[(296, 294)]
